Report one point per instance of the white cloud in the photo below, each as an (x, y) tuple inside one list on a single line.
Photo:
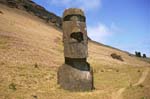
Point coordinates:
[(83, 4), (101, 32), (114, 27)]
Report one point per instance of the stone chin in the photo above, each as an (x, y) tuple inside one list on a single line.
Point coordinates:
[(78, 63)]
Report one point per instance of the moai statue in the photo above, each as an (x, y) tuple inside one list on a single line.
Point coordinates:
[(76, 73)]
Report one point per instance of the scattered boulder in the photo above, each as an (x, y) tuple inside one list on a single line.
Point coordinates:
[(1, 12), (12, 86), (34, 96), (36, 65), (115, 56)]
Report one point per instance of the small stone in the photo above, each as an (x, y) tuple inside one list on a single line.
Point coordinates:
[(34, 96), (1, 12)]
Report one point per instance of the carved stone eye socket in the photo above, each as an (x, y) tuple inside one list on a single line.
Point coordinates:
[(74, 18), (77, 17), (78, 36)]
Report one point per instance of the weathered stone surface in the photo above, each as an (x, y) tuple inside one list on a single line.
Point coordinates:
[(75, 34), (73, 79), (71, 11), (76, 73)]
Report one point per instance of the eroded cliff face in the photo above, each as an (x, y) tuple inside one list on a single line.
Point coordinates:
[(37, 10)]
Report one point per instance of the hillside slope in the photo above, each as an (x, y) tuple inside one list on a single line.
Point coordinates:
[(31, 7), (31, 52)]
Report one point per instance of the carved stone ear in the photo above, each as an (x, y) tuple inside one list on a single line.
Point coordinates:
[(77, 36)]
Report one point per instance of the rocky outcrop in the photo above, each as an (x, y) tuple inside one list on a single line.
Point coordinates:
[(37, 10)]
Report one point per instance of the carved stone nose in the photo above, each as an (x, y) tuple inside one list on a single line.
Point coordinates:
[(76, 29)]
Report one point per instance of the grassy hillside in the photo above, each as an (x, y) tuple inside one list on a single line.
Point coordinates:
[(37, 10), (31, 52)]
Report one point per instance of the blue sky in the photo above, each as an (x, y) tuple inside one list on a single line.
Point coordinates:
[(124, 24)]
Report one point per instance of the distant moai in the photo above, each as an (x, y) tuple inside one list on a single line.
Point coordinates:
[(76, 73)]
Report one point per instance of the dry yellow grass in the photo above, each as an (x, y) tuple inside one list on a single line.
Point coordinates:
[(139, 91), (31, 52)]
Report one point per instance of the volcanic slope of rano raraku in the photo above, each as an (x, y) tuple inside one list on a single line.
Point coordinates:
[(31, 51)]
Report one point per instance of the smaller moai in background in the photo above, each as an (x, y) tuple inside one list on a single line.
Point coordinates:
[(144, 55), (138, 54), (75, 73)]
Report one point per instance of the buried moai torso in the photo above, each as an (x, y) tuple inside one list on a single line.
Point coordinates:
[(74, 34)]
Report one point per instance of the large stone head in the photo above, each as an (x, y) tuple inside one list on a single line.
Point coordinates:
[(74, 33)]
